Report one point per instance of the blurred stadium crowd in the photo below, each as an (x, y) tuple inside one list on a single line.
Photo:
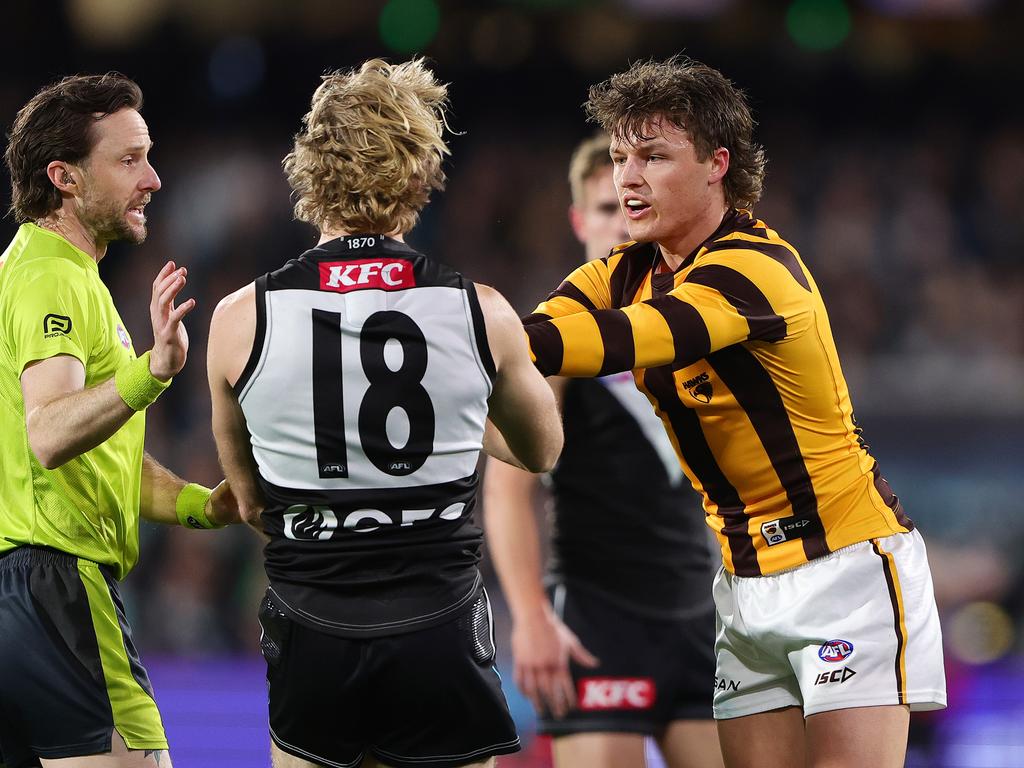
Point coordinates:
[(896, 168)]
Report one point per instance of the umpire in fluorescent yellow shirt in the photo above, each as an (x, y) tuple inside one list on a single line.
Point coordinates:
[(74, 476)]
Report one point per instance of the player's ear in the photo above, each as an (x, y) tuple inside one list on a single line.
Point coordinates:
[(62, 176), (719, 165), (578, 225)]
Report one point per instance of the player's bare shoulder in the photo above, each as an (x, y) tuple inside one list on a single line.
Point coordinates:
[(232, 333), (504, 329), (234, 306)]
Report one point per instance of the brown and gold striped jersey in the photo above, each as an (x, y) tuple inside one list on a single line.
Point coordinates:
[(735, 352)]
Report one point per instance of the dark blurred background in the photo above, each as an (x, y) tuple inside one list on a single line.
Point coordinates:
[(895, 132)]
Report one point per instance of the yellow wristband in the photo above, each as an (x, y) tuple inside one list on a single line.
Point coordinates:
[(190, 507), (137, 386)]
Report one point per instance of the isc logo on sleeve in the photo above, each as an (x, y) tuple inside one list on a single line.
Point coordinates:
[(365, 274)]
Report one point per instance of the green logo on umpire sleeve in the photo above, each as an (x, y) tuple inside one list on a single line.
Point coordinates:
[(56, 325)]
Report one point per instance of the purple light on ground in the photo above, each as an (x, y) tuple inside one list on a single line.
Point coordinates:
[(214, 710)]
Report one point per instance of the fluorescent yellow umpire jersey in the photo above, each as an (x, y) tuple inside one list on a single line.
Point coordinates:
[(735, 352), (52, 302)]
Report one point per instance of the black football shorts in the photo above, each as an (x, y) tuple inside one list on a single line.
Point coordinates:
[(652, 671), (430, 698), (69, 672)]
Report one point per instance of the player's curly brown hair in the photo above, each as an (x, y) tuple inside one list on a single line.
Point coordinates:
[(694, 97), (371, 148)]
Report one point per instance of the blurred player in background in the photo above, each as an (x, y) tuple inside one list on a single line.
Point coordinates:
[(72, 399), (350, 393), (827, 628), (630, 575)]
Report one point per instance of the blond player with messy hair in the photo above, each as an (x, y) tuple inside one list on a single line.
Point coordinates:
[(350, 165), (351, 389)]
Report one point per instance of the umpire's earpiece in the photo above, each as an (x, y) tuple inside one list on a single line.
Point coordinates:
[(66, 179)]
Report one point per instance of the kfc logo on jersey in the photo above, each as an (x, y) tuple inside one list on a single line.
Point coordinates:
[(365, 274), (835, 651), (597, 693)]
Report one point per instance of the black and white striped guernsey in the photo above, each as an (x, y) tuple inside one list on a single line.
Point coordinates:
[(365, 397)]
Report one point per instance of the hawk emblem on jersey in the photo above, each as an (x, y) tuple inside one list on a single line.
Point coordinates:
[(122, 334), (700, 388), (366, 274), (835, 650), (56, 325)]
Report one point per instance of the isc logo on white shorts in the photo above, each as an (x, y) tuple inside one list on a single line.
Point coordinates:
[(863, 619), (616, 693)]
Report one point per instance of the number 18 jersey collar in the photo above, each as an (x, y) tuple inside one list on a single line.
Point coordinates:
[(359, 246)]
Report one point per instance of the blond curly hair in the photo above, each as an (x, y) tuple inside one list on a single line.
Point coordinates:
[(371, 148)]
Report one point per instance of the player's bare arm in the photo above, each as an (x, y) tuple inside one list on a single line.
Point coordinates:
[(63, 418), (522, 406), (541, 643), (232, 332), (160, 491)]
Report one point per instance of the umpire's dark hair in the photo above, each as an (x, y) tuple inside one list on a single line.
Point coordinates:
[(56, 124)]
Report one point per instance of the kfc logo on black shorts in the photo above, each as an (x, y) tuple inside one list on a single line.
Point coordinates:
[(616, 693)]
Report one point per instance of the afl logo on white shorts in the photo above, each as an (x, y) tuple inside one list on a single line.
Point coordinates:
[(835, 651)]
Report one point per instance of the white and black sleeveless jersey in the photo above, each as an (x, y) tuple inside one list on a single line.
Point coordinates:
[(626, 522), (366, 397)]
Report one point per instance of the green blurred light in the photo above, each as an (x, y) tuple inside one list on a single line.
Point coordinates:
[(408, 26), (818, 25)]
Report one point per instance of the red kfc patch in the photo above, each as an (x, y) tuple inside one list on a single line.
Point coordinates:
[(596, 693), (365, 274)]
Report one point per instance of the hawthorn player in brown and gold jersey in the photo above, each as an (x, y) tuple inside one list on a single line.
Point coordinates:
[(827, 629), (734, 350)]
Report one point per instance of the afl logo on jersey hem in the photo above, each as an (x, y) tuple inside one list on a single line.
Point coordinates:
[(366, 274), (122, 334), (835, 651), (700, 388)]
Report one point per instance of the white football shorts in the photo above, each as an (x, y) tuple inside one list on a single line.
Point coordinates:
[(856, 628)]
